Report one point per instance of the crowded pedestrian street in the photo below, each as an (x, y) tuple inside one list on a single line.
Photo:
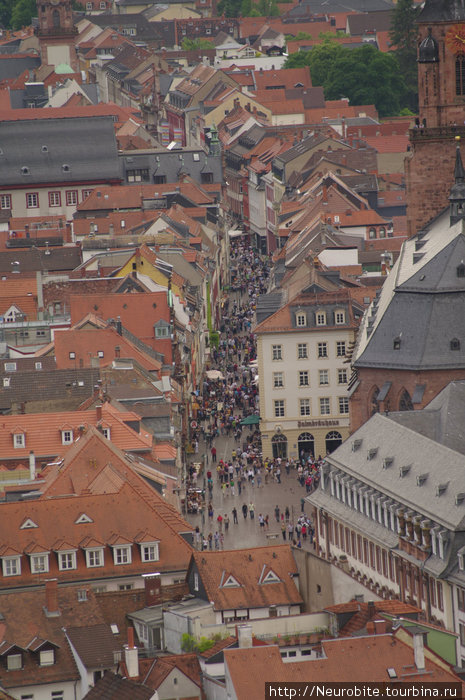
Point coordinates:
[(234, 497)]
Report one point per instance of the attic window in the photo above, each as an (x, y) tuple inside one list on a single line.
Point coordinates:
[(321, 318), (301, 319), (455, 344), (28, 523), (66, 437), (25, 170), (356, 444), (461, 270), (14, 662), (231, 583), (83, 518), (459, 498), (196, 156), (442, 488), (372, 453), (66, 168), (271, 578), (396, 343), (387, 462), (47, 657), (6, 381), (404, 470), (19, 440), (421, 479)]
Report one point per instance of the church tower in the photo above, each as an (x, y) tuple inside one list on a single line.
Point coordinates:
[(56, 33), (441, 96)]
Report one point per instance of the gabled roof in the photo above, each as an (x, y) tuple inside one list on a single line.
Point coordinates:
[(246, 567), (95, 645), (43, 431), (154, 672), (114, 687)]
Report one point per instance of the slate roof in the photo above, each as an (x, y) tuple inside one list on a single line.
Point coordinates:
[(76, 150), (171, 164), (113, 687), (442, 11), (33, 259), (14, 66), (420, 305), (95, 645), (407, 448), (442, 419), (369, 21), (47, 385), (249, 567)]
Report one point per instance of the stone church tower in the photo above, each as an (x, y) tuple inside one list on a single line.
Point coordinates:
[(56, 33), (441, 88)]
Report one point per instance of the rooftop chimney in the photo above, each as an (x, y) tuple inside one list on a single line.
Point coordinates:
[(244, 636), (131, 655), (51, 597), (119, 326), (371, 609), (419, 649), (32, 465), (380, 626), (152, 589), (99, 412)]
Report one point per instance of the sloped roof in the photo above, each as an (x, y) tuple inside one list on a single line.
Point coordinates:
[(247, 567), (154, 672), (114, 687), (95, 645), (420, 305)]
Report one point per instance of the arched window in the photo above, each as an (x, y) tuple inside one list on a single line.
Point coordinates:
[(306, 445), (372, 233), (56, 18), (333, 440), (382, 232), (279, 446), (460, 75), (405, 402)]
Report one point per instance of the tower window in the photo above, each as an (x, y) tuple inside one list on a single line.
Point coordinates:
[(56, 18), (460, 75)]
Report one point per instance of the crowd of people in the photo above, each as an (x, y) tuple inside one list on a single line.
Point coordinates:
[(230, 394)]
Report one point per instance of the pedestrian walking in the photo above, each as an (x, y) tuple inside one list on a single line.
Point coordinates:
[(251, 511), (244, 511), (276, 513), (220, 522), (283, 531), (226, 522), (210, 511), (213, 454), (234, 513)]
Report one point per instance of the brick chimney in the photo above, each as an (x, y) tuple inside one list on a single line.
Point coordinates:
[(371, 609), (131, 655), (98, 410), (152, 589), (51, 598), (32, 465), (380, 626), (370, 628)]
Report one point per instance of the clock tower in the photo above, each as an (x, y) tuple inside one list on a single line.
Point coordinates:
[(441, 97), (56, 33)]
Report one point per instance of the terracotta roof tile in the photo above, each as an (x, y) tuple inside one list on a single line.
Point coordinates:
[(113, 687), (247, 567)]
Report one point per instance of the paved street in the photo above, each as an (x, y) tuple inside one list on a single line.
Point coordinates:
[(248, 533)]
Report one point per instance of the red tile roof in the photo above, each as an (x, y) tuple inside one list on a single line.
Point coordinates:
[(249, 567), (43, 432)]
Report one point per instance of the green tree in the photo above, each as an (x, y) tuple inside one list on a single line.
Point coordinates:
[(403, 36), (229, 8), (196, 44), (22, 13), (364, 75), (268, 8)]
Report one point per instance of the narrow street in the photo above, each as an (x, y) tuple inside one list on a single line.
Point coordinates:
[(234, 397)]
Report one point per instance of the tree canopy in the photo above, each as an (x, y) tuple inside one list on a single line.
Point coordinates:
[(196, 44), (403, 36), (364, 75), (247, 8)]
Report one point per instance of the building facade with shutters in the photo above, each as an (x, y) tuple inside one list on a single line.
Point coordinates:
[(303, 366)]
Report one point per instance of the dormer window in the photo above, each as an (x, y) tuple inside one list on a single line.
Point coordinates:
[(66, 437), (300, 319), (94, 557), (47, 657), (149, 552), (461, 270), (19, 440), (6, 381), (14, 662), (455, 344), (11, 566), (122, 554), (339, 318), (320, 318), (396, 344), (106, 433), (39, 563)]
